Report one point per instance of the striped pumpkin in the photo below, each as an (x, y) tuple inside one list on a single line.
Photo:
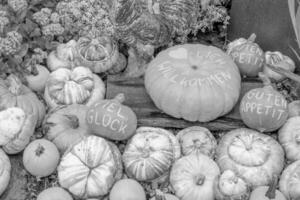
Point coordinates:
[(76, 86), (90, 168), (150, 153)]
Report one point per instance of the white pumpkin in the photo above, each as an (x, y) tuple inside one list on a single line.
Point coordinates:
[(5, 169)]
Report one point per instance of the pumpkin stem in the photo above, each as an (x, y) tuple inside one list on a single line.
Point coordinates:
[(252, 37), (39, 150), (15, 84), (74, 121), (120, 97), (200, 179), (266, 81), (271, 192), (285, 73), (297, 138)]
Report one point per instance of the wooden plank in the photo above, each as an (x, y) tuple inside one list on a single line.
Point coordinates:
[(149, 115)]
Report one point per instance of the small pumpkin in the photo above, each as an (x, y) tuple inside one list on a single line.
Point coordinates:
[(253, 156), (16, 128), (54, 193), (193, 176), (90, 168), (66, 125), (76, 86), (247, 54), (120, 67), (294, 108), (194, 82), (99, 53), (197, 139), (264, 109), (229, 186), (14, 94), (127, 189), (150, 153), (111, 119), (40, 158), (63, 57), (37, 78), (5, 170), (277, 59)]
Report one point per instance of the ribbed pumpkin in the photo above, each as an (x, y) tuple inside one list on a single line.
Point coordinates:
[(150, 153), (264, 109), (267, 192), (197, 139), (16, 128), (111, 119), (76, 86), (14, 94), (254, 156), (66, 125), (194, 82), (193, 176), (5, 169), (90, 168), (54, 193)]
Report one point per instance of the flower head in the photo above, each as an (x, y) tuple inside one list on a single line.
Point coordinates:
[(53, 29), (43, 16), (17, 5), (11, 44)]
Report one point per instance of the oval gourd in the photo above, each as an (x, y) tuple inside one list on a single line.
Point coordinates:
[(5, 170), (127, 189), (193, 176), (37, 78), (194, 82), (111, 119), (197, 139), (248, 56), (264, 109), (150, 153), (254, 156), (66, 125), (54, 193)]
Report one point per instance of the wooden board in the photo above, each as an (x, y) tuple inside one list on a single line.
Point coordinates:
[(148, 115)]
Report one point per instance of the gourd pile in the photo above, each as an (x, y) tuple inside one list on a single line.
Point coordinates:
[(194, 82)]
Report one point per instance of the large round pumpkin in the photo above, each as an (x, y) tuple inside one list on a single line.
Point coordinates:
[(66, 125), (14, 94), (127, 189), (254, 156), (194, 82), (5, 169), (76, 86), (193, 176), (111, 119), (16, 128), (54, 193), (90, 168), (150, 153)]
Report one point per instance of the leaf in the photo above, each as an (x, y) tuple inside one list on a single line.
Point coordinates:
[(23, 51), (291, 4)]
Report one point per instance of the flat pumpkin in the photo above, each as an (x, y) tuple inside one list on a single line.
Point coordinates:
[(194, 82), (5, 170)]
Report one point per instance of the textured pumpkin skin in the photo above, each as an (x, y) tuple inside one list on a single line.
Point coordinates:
[(76, 86), (260, 192), (66, 125), (150, 153), (5, 170), (294, 108), (264, 109), (185, 174), (14, 94), (54, 193), (90, 168), (111, 119), (37, 82), (197, 139), (194, 82), (289, 183), (127, 189), (14, 141), (254, 156)]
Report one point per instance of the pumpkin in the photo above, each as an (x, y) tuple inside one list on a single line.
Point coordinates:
[(14, 94), (150, 153), (248, 56), (16, 128), (127, 189), (54, 193), (36, 80), (289, 138), (277, 59), (66, 125), (253, 156), (289, 183), (116, 69), (294, 108), (264, 109), (197, 139), (111, 119), (99, 54), (229, 186), (40, 158), (90, 168), (76, 86), (63, 57), (5, 170), (194, 82), (193, 176)]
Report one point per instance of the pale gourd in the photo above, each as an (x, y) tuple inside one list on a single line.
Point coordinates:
[(54, 193), (127, 189), (5, 171)]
